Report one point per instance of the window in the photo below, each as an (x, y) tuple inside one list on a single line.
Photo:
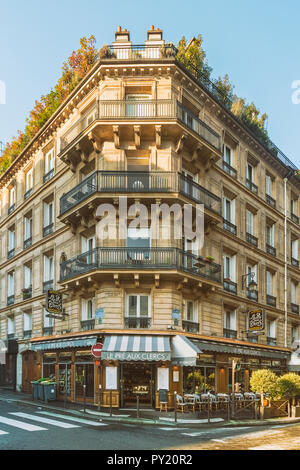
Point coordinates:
[(11, 242), (49, 161), (48, 322), (249, 222), (140, 241), (27, 277), (48, 218), (293, 293), (191, 313), (295, 333), (229, 209), (293, 206), (88, 247), (48, 273), (27, 321), (138, 305), (230, 320), (28, 180), (269, 186), (230, 267), (12, 196), (90, 116), (27, 231), (250, 173), (87, 309), (270, 234), (11, 284), (228, 155), (294, 249), (10, 326), (269, 280), (271, 332), (137, 105)]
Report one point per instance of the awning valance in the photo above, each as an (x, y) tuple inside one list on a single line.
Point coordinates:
[(240, 350), (83, 341), (136, 348), (184, 351)]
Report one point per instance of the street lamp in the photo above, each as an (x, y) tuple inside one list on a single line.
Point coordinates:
[(252, 285)]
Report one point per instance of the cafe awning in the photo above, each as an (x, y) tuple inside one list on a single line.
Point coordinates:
[(240, 350), (184, 351), (83, 341), (136, 348)]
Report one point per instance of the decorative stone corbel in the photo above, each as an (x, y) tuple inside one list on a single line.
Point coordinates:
[(136, 280), (117, 280), (97, 146), (158, 129), (116, 131), (156, 280), (137, 136), (180, 143)]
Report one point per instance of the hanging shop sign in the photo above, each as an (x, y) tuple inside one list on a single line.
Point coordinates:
[(256, 320), (54, 302)]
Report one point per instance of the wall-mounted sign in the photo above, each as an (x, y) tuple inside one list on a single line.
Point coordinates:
[(175, 314), (256, 320), (54, 302), (99, 312)]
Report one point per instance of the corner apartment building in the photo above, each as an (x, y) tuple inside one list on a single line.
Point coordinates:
[(141, 125)]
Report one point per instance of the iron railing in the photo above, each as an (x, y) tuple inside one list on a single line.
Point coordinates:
[(250, 185), (48, 330), (251, 239), (270, 249), (294, 218), (227, 333), (271, 300), (138, 258), (252, 294), (138, 182), (11, 208), (137, 322), (137, 52), (230, 286), (28, 193), (144, 110), (190, 326), (11, 253), (295, 262), (271, 341), (295, 308), (27, 334), (48, 176), (270, 201), (88, 324), (10, 299), (229, 226), (47, 285), (27, 242), (229, 169), (47, 230), (27, 293)]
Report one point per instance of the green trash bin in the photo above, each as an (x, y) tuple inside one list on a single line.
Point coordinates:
[(40, 391), (35, 393), (49, 391)]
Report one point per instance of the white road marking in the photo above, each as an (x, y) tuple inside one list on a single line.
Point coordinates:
[(40, 419), (217, 440), (214, 431), (3, 432), (21, 425), (266, 447), (170, 428), (72, 418)]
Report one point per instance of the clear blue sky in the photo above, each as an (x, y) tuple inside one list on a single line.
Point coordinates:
[(256, 42)]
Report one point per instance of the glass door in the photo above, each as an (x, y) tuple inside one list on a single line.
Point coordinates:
[(64, 379), (84, 375)]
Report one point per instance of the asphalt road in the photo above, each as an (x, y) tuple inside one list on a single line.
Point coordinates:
[(29, 428)]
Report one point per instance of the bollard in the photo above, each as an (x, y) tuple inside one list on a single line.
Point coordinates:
[(228, 410), (137, 405), (175, 407), (208, 410), (99, 400), (110, 400), (84, 397)]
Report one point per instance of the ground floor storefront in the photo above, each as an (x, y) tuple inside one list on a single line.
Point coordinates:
[(139, 367), (8, 369)]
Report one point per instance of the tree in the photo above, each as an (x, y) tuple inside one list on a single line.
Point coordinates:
[(263, 381), (193, 56), (225, 89), (288, 386)]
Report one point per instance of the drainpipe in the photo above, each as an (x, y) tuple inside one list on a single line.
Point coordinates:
[(285, 264)]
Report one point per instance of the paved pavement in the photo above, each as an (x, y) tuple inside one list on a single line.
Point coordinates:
[(33, 429)]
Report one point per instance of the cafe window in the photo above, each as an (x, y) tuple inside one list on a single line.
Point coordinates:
[(49, 361), (199, 379)]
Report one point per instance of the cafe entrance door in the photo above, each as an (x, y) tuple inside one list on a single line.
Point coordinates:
[(137, 377)]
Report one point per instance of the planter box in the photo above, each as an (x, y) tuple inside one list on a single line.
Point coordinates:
[(295, 411)]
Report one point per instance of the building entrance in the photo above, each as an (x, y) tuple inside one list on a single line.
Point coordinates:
[(137, 378)]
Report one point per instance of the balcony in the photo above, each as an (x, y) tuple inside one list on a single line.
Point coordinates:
[(10, 300), (88, 324), (252, 239), (27, 243), (48, 176), (144, 111), (190, 326), (250, 185), (27, 293), (139, 52), (47, 230), (11, 208), (27, 334), (48, 330), (227, 333), (271, 300), (252, 295), (11, 336), (47, 285), (229, 226), (230, 286), (294, 218), (112, 182), (270, 201), (295, 308), (229, 169), (295, 262), (270, 249), (28, 193), (137, 322), (11, 253), (271, 341), (125, 258)]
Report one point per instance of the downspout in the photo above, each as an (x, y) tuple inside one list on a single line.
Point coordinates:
[(285, 265)]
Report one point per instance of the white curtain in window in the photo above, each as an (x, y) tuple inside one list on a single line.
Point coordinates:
[(269, 185), (11, 240), (27, 277), (11, 284), (27, 321), (295, 249), (269, 283), (249, 222), (48, 268)]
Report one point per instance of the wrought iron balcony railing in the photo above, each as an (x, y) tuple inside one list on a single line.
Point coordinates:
[(27, 293), (295, 308), (48, 330), (230, 286), (11, 253), (229, 226), (27, 242), (137, 322), (11, 208), (139, 181), (250, 185), (227, 333), (88, 324), (48, 176), (138, 52), (251, 239), (138, 258), (270, 249), (252, 294), (10, 300), (271, 300), (141, 110), (294, 218), (47, 230), (27, 334), (190, 326), (28, 193), (229, 169), (271, 341), (47, 285), (295, 262), (270, 201)]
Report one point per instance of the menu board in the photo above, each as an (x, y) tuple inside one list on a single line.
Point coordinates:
[(111, 378), (163, 378)]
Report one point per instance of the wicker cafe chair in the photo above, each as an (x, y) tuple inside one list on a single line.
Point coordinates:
[(180, 404)]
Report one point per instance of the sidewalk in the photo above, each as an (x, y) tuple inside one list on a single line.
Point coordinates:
[(146, 416)]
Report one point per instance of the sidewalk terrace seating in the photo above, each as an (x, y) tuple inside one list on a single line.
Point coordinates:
[(181, 405)]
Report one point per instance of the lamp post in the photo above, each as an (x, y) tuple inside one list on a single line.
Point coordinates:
[(252, 285)]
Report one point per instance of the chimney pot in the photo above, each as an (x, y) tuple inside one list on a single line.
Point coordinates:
[(152, 27), (119, 29)]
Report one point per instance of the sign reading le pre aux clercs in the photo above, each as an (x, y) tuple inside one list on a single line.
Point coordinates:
[(54, 302), (256, 320)]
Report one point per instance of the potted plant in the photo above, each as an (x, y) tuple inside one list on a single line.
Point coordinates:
[(209, 259)]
